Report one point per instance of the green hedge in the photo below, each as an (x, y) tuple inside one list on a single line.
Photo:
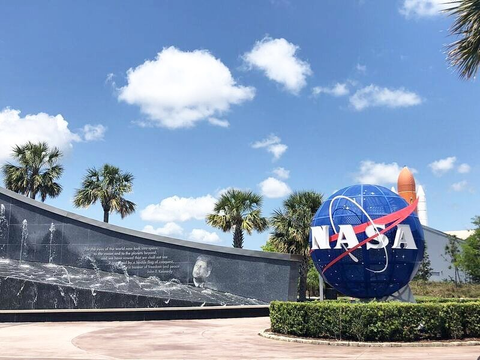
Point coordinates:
[(390, 321)]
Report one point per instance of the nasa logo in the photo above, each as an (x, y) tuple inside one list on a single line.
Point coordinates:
[(366, 241)]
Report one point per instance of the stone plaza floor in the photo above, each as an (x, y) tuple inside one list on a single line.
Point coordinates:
[(186, 339)]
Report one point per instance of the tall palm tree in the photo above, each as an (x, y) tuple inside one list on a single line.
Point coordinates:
[(240, 211), (291, 229), (107, 185), (36, 172), (465, 52)]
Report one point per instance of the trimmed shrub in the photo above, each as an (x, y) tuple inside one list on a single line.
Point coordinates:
[(376, 321)]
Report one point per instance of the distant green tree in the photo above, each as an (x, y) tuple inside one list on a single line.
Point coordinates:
[(36, 172), (291, 229), (269, 247), (452, 253), (425, 270), (107, 185), (238, 211), (312, 279), (469, 257)]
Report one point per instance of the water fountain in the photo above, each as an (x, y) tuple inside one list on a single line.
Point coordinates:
[(52, 248), (23, 241), (57, 260)]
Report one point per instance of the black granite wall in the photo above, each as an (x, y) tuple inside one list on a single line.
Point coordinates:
[(31, 231)]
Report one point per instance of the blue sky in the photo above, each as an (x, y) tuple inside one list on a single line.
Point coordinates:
[(273, 96)]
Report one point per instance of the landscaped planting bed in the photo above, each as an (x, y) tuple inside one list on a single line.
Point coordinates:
[(432, 319)]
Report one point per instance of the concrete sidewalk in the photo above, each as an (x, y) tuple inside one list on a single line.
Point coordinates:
[(186, 339)]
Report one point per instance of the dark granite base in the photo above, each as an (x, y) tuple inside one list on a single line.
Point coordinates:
[(168, 313), (30, 285)]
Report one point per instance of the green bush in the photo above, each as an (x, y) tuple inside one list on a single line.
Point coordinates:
[(375, 321)]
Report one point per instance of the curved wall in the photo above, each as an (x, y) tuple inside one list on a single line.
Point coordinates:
[(34, 232)]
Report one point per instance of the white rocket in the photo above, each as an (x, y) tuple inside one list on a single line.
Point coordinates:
[(422, 206)]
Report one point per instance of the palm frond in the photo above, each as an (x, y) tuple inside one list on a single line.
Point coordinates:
[(464, 53)]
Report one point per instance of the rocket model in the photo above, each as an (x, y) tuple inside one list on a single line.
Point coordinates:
[(406, 186), (422, 206), (406, 189)]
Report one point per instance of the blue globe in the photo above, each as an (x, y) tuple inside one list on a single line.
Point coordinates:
[(372, 273)]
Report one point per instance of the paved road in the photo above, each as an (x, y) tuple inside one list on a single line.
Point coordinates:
[(185, 339)]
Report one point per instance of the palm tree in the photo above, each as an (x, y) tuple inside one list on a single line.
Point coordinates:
[(108, 185), (465, 52), (291, 229), (238, 210), (36, 172)]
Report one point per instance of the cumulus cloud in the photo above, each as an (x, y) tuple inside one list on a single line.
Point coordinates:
[(273, 144), (374, 173), (282, 173), (169, 229), (54, 130), (459, 186), (93, 132), (443, 166), (181, 209), (180, 88), (201, 235), (337, 90), (424, 8), (375, 96), (277, 59), (464, 168), (274, 188)]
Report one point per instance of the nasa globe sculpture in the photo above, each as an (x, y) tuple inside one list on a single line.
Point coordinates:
[(367, 241)]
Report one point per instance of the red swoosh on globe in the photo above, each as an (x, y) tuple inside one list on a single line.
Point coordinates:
[(397, 217)]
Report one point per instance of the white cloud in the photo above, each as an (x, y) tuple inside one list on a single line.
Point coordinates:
[(339, 89), (180, 88), (361, 68), (93, 132), (459, 186), (277, 150), (273, 145), (111, 80), (169, 229), (282, 173), (274, 188), (218, 122), (177, 208), (374, 173), (464, 168), (442, 166), (268, 141), (375, 96), (17, 130), (424, 8), (276, 58), (201, 235)]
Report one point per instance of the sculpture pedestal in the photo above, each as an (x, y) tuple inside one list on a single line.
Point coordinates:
[(404, 295)]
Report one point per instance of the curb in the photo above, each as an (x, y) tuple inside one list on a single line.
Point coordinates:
[(270, 335)]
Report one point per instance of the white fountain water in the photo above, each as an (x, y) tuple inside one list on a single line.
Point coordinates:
[(93, 262), (23, 242), (3, 222), (66, 274), (121, 266), (52, 248)]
